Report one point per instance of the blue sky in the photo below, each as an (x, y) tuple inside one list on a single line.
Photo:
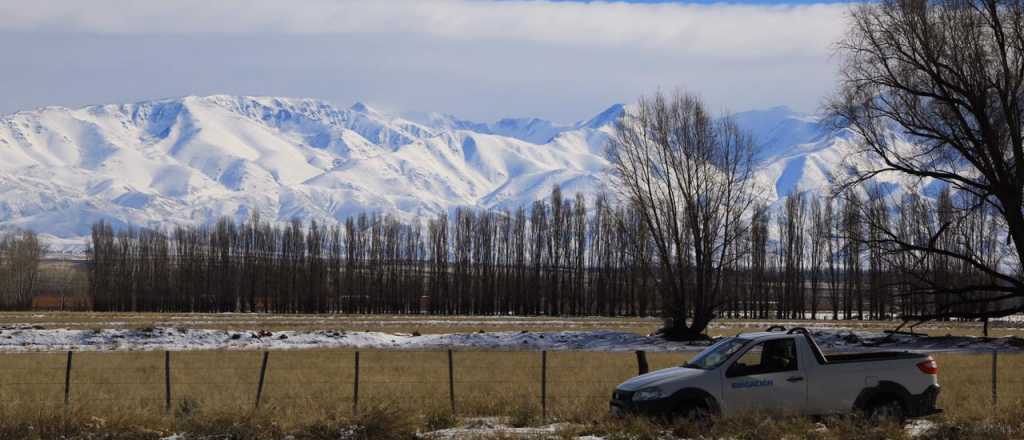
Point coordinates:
[(482, 60)]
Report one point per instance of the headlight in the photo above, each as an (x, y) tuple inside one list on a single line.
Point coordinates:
[(649, 394)]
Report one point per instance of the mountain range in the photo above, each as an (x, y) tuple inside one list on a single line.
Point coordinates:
[(195, 159)]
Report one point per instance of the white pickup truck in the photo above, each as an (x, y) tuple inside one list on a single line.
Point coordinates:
[(780, 371)]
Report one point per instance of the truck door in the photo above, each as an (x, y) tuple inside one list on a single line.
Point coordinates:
[(767, 377)]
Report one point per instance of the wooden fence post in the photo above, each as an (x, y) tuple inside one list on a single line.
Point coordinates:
[(995, 388), (355, 388), (544, 385), (167, 382), (67, 382), (641, 362), (451, 381), (263, 373)]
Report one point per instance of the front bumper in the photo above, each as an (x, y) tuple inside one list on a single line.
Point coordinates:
[(924, 404), (622, 404)]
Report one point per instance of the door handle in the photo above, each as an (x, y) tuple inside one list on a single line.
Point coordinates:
[(795, 379)]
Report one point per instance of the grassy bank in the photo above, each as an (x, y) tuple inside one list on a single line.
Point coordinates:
[(387, 422), (314, 389)]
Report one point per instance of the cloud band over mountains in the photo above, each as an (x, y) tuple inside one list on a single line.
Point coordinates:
[(523, 53)]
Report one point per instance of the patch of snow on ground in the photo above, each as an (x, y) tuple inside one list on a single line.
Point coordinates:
[(919, 427), (492, 428), (1018, 318), (35, 338), (487, 428)]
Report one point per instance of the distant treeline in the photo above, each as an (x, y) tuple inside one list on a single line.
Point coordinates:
[(558, 257), (20, 254)]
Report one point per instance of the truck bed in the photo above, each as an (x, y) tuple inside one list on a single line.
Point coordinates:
[(849, 358), (842, 358)]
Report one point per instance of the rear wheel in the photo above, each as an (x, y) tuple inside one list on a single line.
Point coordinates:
[(885, 410)]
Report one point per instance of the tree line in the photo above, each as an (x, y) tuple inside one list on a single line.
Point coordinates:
[(20, 255), (812, 258), (556, 257)]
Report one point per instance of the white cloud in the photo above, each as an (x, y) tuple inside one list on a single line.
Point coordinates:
[(701, 28), (474, 58)]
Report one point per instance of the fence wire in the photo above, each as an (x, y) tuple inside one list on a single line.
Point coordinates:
[(472, 382)]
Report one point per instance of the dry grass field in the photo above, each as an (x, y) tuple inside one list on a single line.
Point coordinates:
[(304, 387), (311, 391)]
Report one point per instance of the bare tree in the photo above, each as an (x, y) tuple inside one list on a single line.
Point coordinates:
[(20, 254), (791, 249), (688, 176), (759, 262), (852, 231), (818, 246), (933, 90)]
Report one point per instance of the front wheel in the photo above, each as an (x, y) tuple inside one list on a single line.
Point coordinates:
[(690, 412)]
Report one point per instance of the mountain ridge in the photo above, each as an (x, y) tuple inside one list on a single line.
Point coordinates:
[(194, 159)]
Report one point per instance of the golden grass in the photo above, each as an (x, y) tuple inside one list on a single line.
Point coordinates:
[(312, 390), (966, 381), (304, 386)]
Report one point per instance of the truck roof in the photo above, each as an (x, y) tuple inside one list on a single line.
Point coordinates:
[(756, 335)]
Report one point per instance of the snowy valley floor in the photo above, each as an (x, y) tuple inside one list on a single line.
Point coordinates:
[(428, 324), (87, 331), (15, 338)]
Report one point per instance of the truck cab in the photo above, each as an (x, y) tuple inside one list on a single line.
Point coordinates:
[(784, 372)]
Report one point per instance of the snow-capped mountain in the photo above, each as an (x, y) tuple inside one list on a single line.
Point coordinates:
[(803, 153), (192, 160), (532, 130)]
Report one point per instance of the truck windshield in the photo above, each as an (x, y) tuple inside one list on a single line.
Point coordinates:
[(716, 354)]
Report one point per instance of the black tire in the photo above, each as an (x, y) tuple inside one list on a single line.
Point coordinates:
[(886, 410), (690, 412)]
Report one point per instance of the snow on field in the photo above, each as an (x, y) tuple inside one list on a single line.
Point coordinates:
[(1018, 318), (34, 338), (497, 428), (490, 428), (494, 428), (256, 320)]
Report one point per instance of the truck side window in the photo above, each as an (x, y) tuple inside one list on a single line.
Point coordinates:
[(767, 357)]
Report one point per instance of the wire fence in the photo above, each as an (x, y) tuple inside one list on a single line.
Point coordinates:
[(463, 382)]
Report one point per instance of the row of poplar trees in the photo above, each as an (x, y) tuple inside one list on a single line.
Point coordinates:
[(20, 256), (813, 257), (541, 260)]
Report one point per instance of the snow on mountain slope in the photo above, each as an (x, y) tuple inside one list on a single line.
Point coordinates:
[(802, 153), (777, 129), (192, 160), (532, 130)]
